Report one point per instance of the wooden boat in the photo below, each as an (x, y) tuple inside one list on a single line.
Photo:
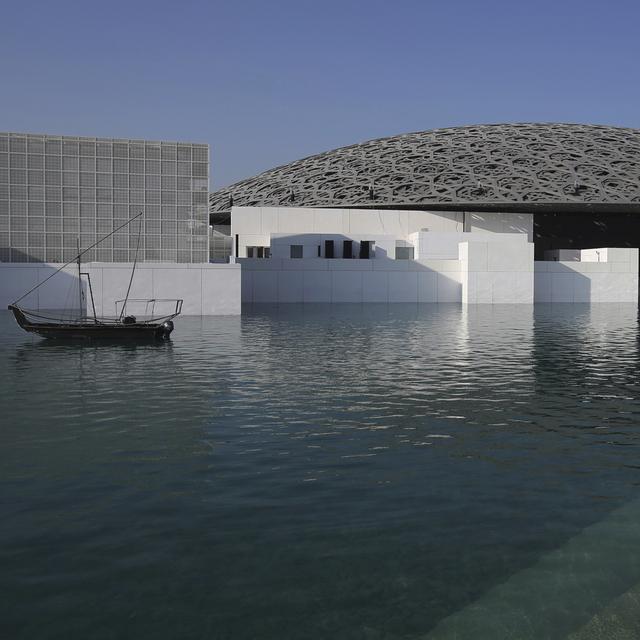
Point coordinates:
[(122, 326), (116, 328)]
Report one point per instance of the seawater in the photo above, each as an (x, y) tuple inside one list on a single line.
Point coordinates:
[(323, 472)]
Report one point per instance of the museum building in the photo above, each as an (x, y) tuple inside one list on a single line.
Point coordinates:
[(490, 213), (60, 191)]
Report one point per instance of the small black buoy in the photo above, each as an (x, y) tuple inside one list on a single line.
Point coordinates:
[(129, 320)]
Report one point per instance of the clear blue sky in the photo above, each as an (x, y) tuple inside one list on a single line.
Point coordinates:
[(267, 82)]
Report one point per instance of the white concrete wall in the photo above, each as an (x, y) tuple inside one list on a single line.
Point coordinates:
[(579, 255), (497, 272), (18, 278), (385, 246), (615, 280), (562, 255), (255, 225), (207, 289), (605, 254), (444, 246), (379, 280), (493, 259)]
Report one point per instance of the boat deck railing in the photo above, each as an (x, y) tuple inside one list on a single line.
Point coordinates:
[(149, 309), (146, 311)]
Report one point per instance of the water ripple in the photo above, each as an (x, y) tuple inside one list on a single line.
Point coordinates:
[(349, 471)]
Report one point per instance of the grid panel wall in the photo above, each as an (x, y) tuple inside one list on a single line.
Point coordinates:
[(58, 191)]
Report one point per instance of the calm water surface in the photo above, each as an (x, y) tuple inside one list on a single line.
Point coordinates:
[(316, 472)]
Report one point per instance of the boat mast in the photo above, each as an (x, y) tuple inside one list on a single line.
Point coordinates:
[(93, 304), (79, 278), (133, 270)]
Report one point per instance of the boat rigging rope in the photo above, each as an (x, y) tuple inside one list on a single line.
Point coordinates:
[(66, 264)]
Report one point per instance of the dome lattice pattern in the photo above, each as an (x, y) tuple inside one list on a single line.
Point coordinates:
[(536, 163)]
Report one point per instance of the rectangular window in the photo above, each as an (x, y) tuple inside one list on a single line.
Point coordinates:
[(296, 251), (328, 248), (366, 249), (347, 249), (404, 253), (258, 252)]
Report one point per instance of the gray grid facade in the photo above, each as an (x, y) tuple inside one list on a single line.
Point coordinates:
[(58, 190)]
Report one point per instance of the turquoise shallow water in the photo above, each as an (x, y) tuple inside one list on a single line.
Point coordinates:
[(323, 472)]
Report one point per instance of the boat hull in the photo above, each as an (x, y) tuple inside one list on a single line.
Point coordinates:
[(94, 330)]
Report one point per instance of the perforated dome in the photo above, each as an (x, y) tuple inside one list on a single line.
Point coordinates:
[(504, 163)]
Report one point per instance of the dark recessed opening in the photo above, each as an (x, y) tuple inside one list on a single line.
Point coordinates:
[(328, 248)]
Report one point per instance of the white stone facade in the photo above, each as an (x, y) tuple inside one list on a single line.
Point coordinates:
[(314, 244), (600, 275), (378, 280), (255, 226), (207, 289), (497, 272), (316, 255), (378, 255)]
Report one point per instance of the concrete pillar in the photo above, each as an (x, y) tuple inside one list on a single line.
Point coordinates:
[(497, 272)]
